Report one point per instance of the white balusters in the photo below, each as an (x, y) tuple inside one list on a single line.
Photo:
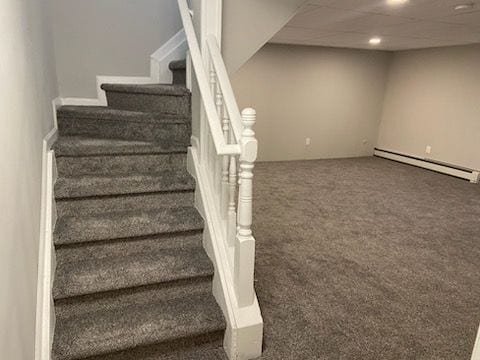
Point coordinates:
[(245, 242), (231, 212), (225, 167)]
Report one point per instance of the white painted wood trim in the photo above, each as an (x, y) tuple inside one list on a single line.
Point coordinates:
[(243, 338), (471, 176), (476, 348), (212, 118), (80, 101), (226, 86), (45, 316), (173, 49)]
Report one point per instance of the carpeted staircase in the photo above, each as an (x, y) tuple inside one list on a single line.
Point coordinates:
[(132, 279)]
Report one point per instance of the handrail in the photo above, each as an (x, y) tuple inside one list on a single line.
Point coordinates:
[(228, 150), (212, 117), (226, 86)]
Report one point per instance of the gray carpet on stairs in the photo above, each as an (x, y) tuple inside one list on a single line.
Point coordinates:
[(366, 259), (132, 280)]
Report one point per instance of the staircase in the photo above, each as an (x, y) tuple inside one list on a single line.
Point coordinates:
[(132, 280)]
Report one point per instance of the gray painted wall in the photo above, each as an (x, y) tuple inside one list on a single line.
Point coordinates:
[(28, 85), (249, 24), (108, 37), (433, 98), (333, 96)]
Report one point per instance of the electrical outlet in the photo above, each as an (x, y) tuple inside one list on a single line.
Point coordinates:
[(307, 141), (428, 149)]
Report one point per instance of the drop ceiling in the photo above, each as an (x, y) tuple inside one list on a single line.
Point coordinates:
[(412, 25)]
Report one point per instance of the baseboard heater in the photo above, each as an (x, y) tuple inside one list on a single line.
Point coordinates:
[(468, 174)]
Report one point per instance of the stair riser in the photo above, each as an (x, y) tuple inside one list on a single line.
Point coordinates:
[(110, 227), (208, 346), (119, 165), (100, 205), (74, 306), (178, 105), (95, 283), (179, 77), (166, 133)]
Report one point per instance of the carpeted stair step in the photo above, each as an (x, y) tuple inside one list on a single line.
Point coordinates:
[(126, 202), (115, 165), (179, 71), (193, 350), (116, 225), (139, 295), (104, 122), (104, 185), (99, 250), (166, 323), (80, 275), (156, 98), (71, 146)]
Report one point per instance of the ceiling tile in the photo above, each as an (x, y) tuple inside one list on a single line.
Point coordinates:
[(470, 19), (337, 19), (296, 33), (416, 9), (350, 23), (433, 30)]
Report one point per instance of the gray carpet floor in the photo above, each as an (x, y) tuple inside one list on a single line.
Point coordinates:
[(366, 259)]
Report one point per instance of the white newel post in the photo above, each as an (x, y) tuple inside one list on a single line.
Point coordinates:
[(245, 242)]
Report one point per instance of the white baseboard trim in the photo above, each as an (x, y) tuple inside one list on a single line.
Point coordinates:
[(476, 348), (470, 175), (173, 49), (45, 316), (80, 101), (244, 334)]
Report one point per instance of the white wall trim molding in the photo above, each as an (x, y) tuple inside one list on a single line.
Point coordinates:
[(80, 101), (476, 347), (467, 174), (243, 338), (45, 316), (173, 49)]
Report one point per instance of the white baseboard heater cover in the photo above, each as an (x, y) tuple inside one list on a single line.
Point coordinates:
[(468, 174)]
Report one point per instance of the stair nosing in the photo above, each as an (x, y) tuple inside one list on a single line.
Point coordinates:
[(197, 224), (136, 89), (164, 335)]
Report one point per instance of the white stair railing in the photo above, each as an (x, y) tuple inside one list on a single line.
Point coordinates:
[(228, 148)]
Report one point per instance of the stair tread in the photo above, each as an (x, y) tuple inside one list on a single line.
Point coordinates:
[(125, 224), (83, 146), (149, 89), (196, 353), (103, 185), (178, 65), (108, 113), (115, 330), (80, 275)]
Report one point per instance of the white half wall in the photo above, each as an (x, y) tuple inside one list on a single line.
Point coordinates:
[(108, 38), (332, 96), (433, 99), (28, 86), (250, 24)]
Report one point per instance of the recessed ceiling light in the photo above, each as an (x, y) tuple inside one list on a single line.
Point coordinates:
[(462, 7), (375, 41), (397, 2)]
